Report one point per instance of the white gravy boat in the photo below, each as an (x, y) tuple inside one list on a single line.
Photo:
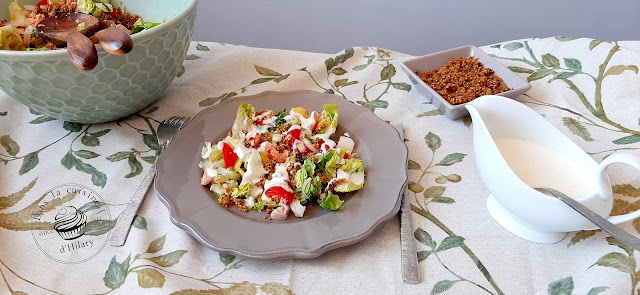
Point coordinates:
[(515, 149)]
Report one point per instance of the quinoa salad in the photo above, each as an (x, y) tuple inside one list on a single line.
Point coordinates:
[(282, 162)]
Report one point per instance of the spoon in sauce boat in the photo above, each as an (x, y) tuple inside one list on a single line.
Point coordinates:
[(598, 220)]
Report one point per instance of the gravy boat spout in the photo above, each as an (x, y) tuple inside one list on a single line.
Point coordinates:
[(516, 149)]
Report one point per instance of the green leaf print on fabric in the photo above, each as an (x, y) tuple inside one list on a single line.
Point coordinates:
[(181, 71), (201, 47), (550, 60), (135, 167), (619, 69), (431, 113), (29, 162), (597, 290), (550, 65), (577, 128), (276, 289), (443, 286), (594, 43), (226, 259), (434, 195), (191, 57), (450, 242), (42, 119), (157, 245), (520, 70), (168, 260), (424, 238), (238, 288), (9, 145), (451, 159), (140, 222), (573, 64), (413, 165), (12, 199), (433, 141), (565, 39), (618, 261), (415, 187), (513, 46), (85, 154), (266, 71), (561, 287), (91, 206), (631, 139), (73, 127), (116, 273), (150, 278), (155, 275), (99, 227), (97, 178)]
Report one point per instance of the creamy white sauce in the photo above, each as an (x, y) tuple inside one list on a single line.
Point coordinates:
[(278, 178), (306, 123), (255, 169), (539, 166), (209, 150), (327, 145), (211, 172), (243, 152), (276, 138), (249, 202)]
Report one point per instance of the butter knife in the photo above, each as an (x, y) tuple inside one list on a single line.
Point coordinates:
[(408, 253)]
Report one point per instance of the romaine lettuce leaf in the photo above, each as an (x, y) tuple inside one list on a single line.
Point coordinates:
[(85, 6), (331, 202), (352, 166), (330, 115), (243, 191), (332, 163), (261, 204), (244, 119)]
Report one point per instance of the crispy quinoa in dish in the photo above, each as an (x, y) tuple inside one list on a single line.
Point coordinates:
[(463, 79), (19, 31), (280, 162)]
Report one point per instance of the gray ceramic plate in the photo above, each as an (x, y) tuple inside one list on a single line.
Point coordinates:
[(228, 230)]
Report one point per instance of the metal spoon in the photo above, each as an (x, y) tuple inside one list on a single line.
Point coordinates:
[(598, 220), (63, 30)]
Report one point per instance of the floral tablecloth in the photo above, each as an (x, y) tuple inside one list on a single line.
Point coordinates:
[(588, 89)]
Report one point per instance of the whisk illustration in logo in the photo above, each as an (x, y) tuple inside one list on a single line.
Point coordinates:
[(71, 223)]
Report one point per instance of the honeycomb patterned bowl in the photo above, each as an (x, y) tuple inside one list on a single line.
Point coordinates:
[(46, 81)]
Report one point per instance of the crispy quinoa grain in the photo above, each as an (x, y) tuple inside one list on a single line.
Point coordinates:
[(241, 205), (225, 200), (463, 80)]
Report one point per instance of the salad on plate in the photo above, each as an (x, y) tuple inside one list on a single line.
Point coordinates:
[(282, 162)]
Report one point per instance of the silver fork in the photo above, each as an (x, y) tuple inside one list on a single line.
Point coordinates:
[(166, 130)]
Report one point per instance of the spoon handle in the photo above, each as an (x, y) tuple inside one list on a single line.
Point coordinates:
[(598, 220)]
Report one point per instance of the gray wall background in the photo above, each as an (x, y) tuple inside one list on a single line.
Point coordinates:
[(413, 27)]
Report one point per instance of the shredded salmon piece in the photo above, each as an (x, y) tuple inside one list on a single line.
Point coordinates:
[(206, 179), (278, 157)]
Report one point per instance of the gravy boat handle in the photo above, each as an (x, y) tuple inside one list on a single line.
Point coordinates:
[(604, 185)]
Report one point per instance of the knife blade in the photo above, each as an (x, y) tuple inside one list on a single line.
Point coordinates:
[(408, 253)]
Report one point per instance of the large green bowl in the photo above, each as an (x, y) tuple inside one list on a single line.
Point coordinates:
[(46, 81)]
